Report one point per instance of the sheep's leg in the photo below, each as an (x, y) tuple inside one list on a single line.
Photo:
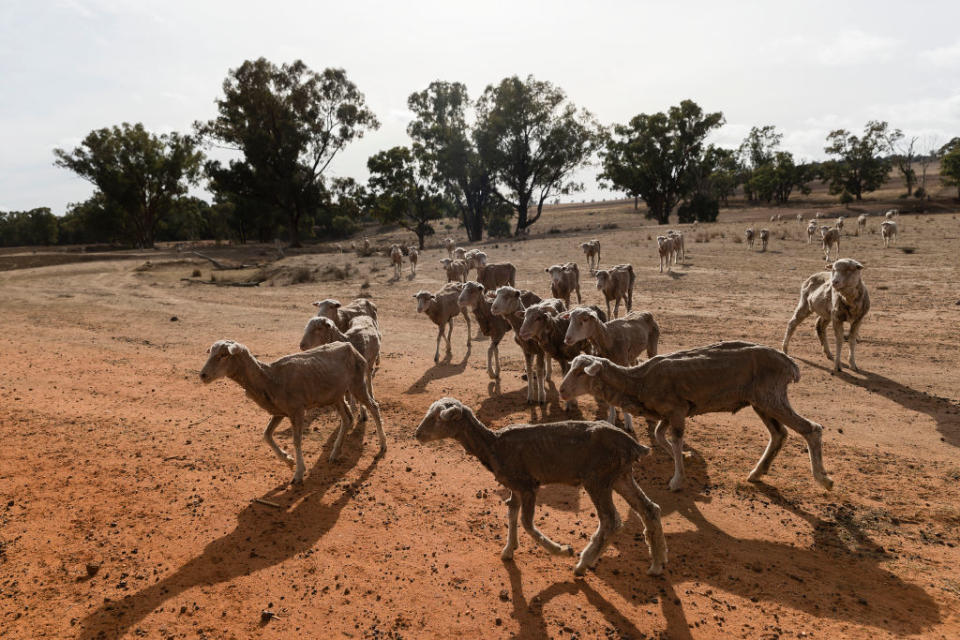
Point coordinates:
[(660, 433), (268, 438), (541, 378), (852, 341), (449, 335), (490, 360), (676, 446), (579, 299), (838, 336), (609, 521), (778, 434), (466, 316), (371, 405), (346, 421), (799, 315), (513, 512), (616, 307), (628, 424), (811, 432), (649, 513), (528, 506), (547, 367), (298, 423), (528, 365), (608, 307), (612, 415), (822, 335), (436, 354)]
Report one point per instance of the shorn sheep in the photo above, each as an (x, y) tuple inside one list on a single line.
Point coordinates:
[(362, 334), (811, 230), (496, 274), (414, 254), (343, 316), (449, 244), (829, 238), (622, 340), (616, 284), (839, 224), (836, 296), (548, 328), (861, 223), (720, 378), (764, 238), (456, 270), (891, 214), (591, 249), (888, 231), (564, 280), (524, 457), (288, 387), (442, 307), (473, 296), (396, 259), (680, 251), (666, 248), (748, 235)]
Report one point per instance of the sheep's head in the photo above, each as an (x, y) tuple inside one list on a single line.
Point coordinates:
[(845, 274), (220, 362), (327, 308), (534, 323), (583, 322), (318, 331), (470, 295), (442, 420), (603, 277), (424, 300), (579, 378), (749, 232), (459, 253), (507, 301), (556, 272)]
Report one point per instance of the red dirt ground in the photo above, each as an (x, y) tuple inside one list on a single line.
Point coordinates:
[(116, 457)]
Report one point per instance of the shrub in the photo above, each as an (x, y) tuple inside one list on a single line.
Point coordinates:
[(343, 227), (499, 227), (700, 208), (846, 197)]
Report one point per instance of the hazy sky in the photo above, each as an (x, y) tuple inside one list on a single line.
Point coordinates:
[(70, 66)]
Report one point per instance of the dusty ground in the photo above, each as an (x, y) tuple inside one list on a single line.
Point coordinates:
[(115, 456)]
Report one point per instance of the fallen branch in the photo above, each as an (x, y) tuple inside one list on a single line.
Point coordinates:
[(221, 266), (268, 503), (251, 283)]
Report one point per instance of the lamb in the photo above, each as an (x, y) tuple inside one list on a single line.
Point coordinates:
[(839, 224), (343, 316), (396, 259), (414, 255), (888, 231), (564, 280), (617, 284), (722, 377), (288, 387), (829, 238), (620, 341), (861, 223), (811, 229), (508, 304), (748, 234), (680, 251), (667, 250), (591, 249), (473, 296), (449, 244), (442, 307), (459, 253), (764, 237), (456, 269), (836, 296), (496, 274), (523, 457)]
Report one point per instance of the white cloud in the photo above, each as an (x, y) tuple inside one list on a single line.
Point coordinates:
[(856, 47), (948, 56)]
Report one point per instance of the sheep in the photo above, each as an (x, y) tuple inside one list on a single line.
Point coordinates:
[(523, 457), (288, 387), (591, 249), (719, 378), (496, 274), (475, 259), (456, 269), (861, 223), (818, 215), (888, 231), (800, 219), (748, 234), (473, 296), (678, 246), (396, 259), (828, 238), (764, 237), (459, 253), (343, 316), (442, 307), (621, 340), (548, 328), (616, 284), (667, 250), (449, 244), (811, 229), (891, 214), (839, 224), (366, 246), (564, 279), (836, 296), (773, 218), (414, 255), (509, 305)]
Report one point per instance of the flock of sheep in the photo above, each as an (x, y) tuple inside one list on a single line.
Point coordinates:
[(599, 354), (830, 236)]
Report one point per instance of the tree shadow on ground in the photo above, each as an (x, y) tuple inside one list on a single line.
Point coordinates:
[(263, 538), (443, 369), (944, 412)]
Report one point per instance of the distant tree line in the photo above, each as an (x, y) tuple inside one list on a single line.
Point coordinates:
[(490, 162)]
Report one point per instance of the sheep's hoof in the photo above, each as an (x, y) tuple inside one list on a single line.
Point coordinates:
[(334, 456), (755, 476), (676, 484), (507, 555), (826, 482), (297, 481), (854, 367), (382, 452), (566, 549), (580, 569), (655, 569), (290, 462)]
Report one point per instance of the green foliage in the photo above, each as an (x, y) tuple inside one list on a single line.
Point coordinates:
[(188, 220), (402, 192), (950, 164), (343, 227), (533, 139), (717, 173), (289, 123), (655, 156), (776, 180), (443, 142), (846, 197), (860, 165), (34, 227), (499, 224), (701, 208), (760, 146), (138, 174)]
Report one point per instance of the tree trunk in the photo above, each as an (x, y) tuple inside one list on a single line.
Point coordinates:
[(521, 217), (636, 202), (473, 223), (294, 231)]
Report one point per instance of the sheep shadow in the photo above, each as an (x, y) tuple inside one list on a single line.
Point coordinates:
[(676, 275), (262, 538), (442, 369), (496, 407), (943, 411)]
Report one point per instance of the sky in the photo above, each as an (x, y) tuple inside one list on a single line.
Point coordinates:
[(70, 66)]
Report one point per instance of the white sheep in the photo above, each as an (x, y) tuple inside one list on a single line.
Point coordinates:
[(764, 238), (829, 238), (811, 230), (888, 231), (748, 235), (414, 254), (591, 249), (343, 316), (861, 223), (396, 259)]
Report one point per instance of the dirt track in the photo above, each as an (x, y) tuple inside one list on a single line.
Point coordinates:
[(116, 456)]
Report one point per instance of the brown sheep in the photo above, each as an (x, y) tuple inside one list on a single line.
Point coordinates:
[(616, 284), (442, 307), (564, 280)]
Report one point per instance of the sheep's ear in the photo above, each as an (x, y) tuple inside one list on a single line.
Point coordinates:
[(316, 304), (593, 368), (859, 266), (565, 315), (234, 348), (451, 413), (547, 270)]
